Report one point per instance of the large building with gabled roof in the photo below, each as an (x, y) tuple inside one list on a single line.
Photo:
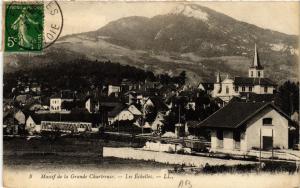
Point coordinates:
[(244, 126), (255, 82)]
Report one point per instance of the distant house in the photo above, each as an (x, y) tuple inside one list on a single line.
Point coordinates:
[(157, 103), (33, 124), (134, 110), (20, 117), (128, 85), (119, 112), (148, 85), (208, 87), (138, 97), (57, 100), (112, 109), (22, 99), (167, 91), (241, 127), (158, 123), (123, 115), (35, 87), (90, 104), (113, 90), (191, 105), (37, 107)]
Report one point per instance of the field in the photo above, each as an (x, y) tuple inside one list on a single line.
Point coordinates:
[(87, 153), (71, 153)]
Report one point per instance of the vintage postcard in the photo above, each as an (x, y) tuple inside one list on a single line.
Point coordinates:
[(150, 94)]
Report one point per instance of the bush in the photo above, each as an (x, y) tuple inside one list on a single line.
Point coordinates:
[(269, 166)]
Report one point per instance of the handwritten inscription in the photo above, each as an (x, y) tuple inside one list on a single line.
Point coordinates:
[(185, 184)]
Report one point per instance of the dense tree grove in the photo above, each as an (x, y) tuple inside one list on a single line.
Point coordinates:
[(81, 75)]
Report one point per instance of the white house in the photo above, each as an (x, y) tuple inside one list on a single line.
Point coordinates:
[(33, 124), (134, 110), (20, 117), (124, 115), (55, 104), (113, 89), (240, 127), (255, 82), (92, 105), (158, 123)]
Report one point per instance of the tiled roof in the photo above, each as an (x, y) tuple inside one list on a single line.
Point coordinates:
[(113, 108), (235, 114), (253, 81)]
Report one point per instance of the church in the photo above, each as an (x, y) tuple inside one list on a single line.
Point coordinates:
[(255, 82)]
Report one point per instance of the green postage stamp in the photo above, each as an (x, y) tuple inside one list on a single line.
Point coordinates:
[(24, 26)]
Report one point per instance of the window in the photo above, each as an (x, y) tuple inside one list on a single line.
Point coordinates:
[(258, 74), (251, 73), (265, 89), (267, 121), (237, 136), (243, 88), (227, 89), (236, 88), (237, 140), (250, 88), (220, 134)]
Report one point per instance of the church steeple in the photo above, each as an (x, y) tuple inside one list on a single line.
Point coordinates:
[(256, 61), (255, 69)]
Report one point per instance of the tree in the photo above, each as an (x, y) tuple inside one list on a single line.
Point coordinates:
[(182, 78), (287, 97)]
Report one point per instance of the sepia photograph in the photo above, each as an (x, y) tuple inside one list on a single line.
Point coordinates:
[(150, 94)]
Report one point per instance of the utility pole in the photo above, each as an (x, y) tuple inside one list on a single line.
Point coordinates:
[(272, 147), (179, 115), (119, 123), (143, 118), (259, 148)]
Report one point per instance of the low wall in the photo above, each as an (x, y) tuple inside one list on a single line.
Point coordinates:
[(162, 157), (280, 155)]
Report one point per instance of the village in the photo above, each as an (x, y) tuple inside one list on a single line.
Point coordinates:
[(230, 116)]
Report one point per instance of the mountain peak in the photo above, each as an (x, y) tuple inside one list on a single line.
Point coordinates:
[(190, 10)]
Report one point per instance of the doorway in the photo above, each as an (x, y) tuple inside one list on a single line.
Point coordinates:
[(267, 142)]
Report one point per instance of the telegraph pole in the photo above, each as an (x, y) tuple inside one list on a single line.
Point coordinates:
[(272, 146), (259, 148)]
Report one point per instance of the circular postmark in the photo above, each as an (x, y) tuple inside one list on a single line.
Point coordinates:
[(32, 26)]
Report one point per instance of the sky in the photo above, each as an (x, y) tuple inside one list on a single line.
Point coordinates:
[(82, 16)]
